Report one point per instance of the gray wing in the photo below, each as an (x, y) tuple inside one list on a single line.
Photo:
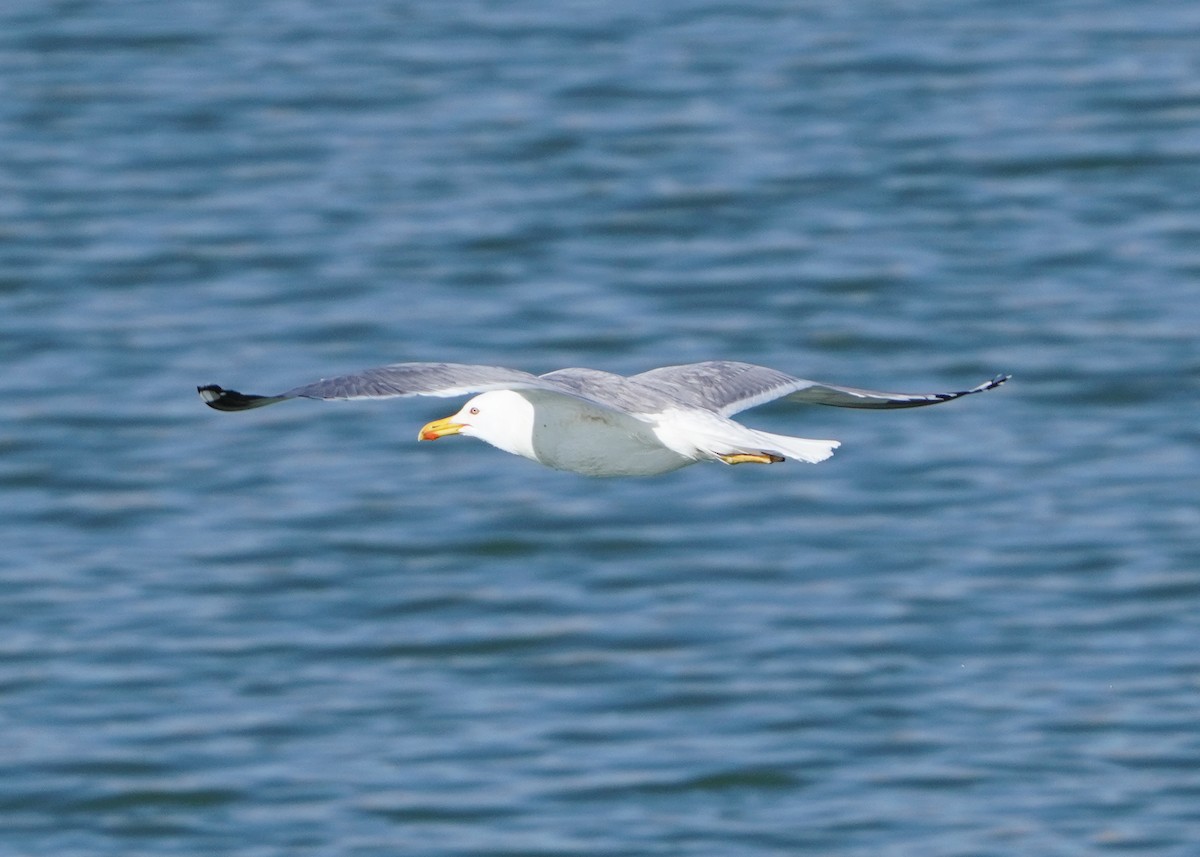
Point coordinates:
[(398, 379), (727, 388), (613, 391)]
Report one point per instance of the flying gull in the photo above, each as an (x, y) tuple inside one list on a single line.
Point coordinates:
[(600, 424)]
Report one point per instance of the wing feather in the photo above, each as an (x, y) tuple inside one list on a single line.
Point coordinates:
[(728, 387), (725, 387), (384, 382)]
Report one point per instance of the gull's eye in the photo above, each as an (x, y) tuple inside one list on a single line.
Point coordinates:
[(473, 411)]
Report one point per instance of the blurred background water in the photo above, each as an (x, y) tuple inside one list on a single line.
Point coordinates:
[(974, 631)]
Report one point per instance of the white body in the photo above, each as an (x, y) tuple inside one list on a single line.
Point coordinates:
[(574, 435)]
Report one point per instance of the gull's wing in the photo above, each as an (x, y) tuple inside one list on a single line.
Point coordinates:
[(727, 388), (399, 379)]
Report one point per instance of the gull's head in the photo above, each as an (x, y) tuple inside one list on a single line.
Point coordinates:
[(500, 417)]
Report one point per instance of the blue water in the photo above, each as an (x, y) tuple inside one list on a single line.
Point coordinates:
[(974, 631)]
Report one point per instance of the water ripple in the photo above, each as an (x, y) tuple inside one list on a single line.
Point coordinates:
[(971, 632)]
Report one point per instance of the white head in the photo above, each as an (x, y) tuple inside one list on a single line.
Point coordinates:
[(500, 417)]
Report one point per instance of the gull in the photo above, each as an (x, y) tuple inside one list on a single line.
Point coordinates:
[(600, 424)]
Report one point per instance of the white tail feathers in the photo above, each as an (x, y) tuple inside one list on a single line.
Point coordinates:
[(705, 436), (799, 448)]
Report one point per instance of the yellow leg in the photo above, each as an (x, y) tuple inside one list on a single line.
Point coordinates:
[(747, 458)]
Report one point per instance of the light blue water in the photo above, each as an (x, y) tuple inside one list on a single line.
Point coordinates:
[(974, 631)]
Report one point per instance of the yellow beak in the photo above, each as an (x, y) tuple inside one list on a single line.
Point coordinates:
[(439, 428)]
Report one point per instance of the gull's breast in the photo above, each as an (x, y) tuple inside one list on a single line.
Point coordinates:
[(593, 441)]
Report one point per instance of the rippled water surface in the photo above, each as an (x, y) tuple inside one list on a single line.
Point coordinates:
[(974, 631)]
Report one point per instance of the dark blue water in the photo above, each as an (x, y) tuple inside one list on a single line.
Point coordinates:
[(974, 631)]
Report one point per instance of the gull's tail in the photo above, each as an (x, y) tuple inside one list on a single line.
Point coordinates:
[(799, 448), (703, 435)]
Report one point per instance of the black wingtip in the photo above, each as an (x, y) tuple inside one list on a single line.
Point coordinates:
[(982, 388), (995, 382), (231, 400)]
